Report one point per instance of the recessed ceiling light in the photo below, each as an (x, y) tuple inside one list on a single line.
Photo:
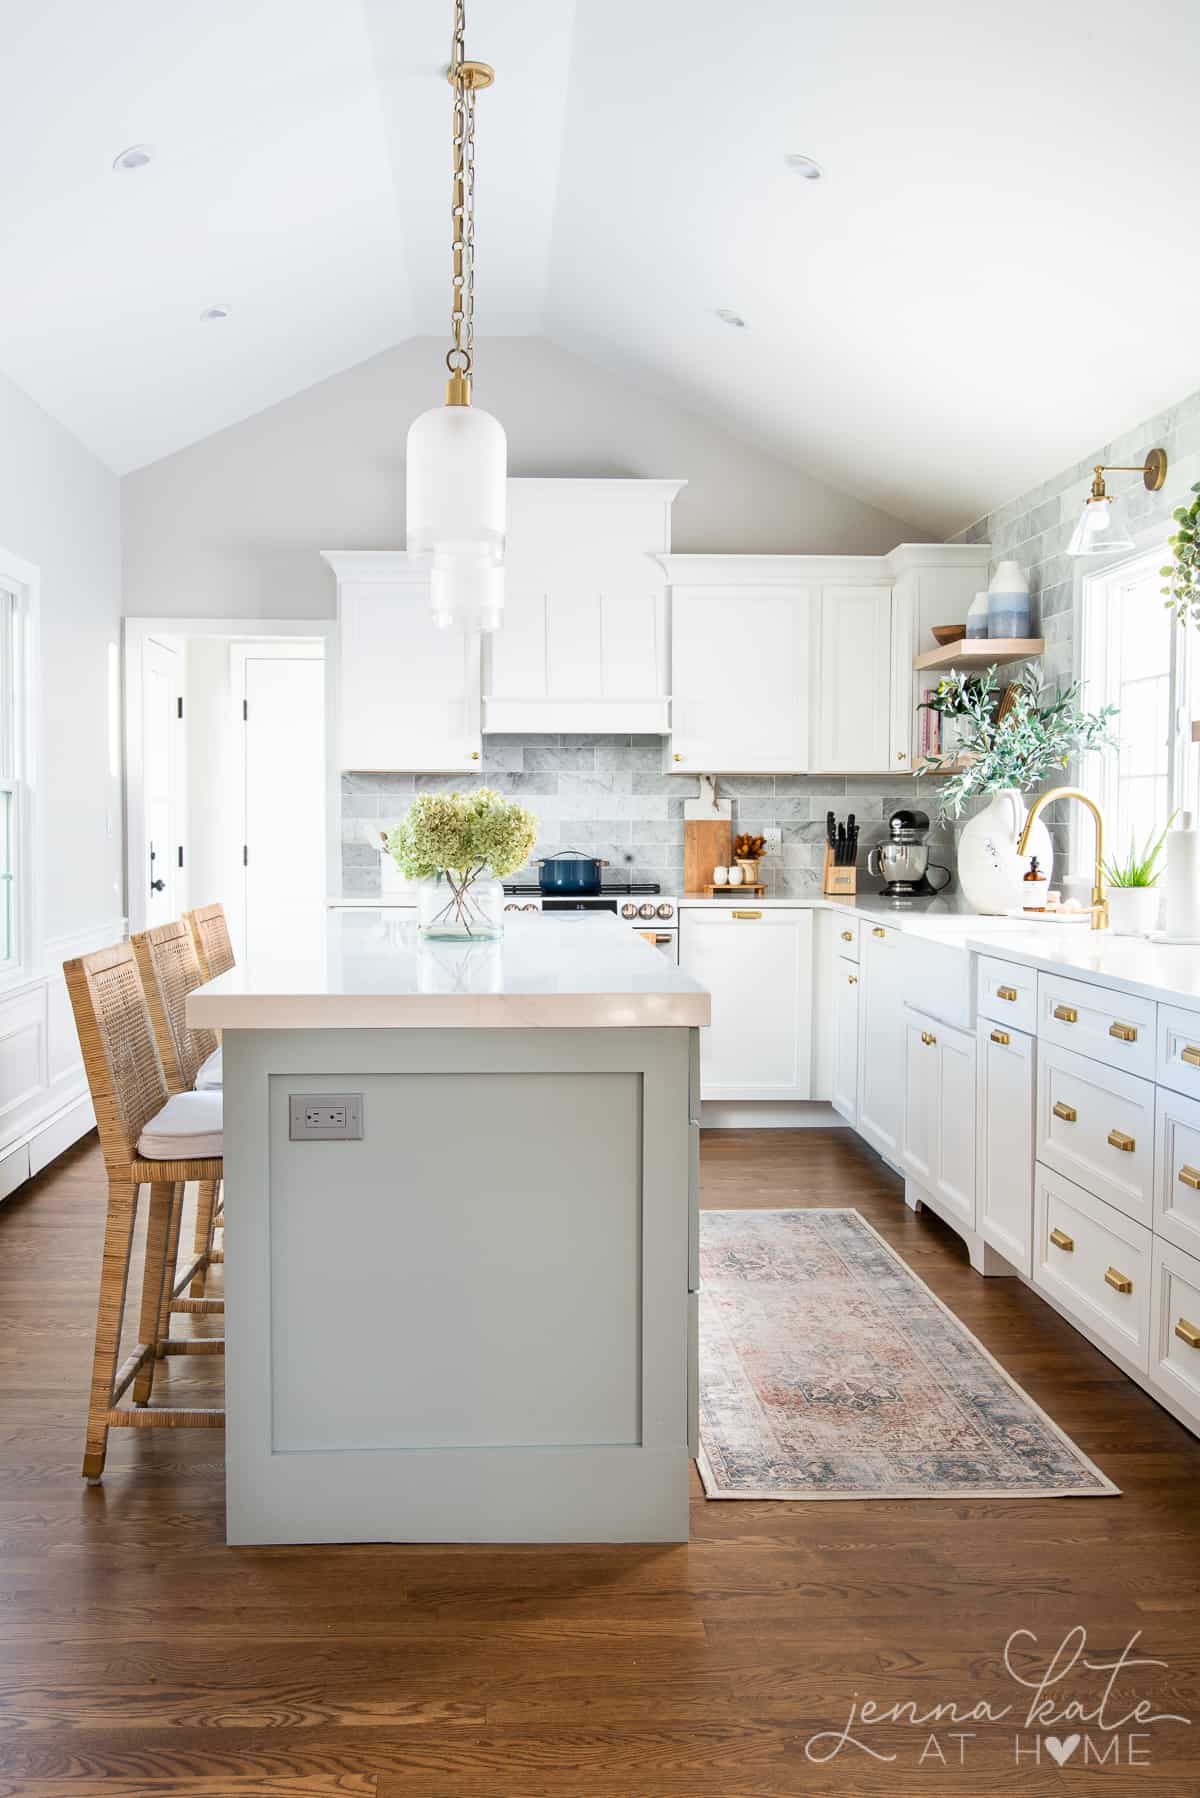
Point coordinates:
[(137, 156), (213, 314), (805, 166), (731, 318)]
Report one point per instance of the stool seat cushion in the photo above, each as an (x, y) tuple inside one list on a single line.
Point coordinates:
[(208, 1078), (188, 1128)]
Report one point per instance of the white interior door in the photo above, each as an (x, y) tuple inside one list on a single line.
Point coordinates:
[(162, 750), (279, 690)]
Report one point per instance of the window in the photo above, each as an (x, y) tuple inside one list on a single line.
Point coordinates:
[(1136, 657)]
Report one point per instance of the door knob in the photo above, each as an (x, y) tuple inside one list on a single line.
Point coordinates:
[(158, 886)]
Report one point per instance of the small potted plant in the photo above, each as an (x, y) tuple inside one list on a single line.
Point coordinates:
[(747, 852), (1003, 755), (1133, 895), (459, 846)]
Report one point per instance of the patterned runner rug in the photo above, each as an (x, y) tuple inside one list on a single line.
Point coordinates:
[(829, 1370)]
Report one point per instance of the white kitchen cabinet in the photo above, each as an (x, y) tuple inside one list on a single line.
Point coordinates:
[(1005, 1117), (1095, 1124), (881, 1040), (1175, 1328), (938, 1145), (846, 997), (741, 658), (583, 643), (408, 694), (758, 965), (1177, 1170), (852, 685), (1095, 1262)]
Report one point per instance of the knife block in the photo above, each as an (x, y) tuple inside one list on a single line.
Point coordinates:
[(838, 880)]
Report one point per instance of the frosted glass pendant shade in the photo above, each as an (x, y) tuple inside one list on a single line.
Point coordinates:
[(457, 465), (1099, 530), (466, 590)]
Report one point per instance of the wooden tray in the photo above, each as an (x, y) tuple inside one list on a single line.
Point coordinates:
[(758, 892)]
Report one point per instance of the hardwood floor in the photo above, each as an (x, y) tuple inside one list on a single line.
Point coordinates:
[(139, 1656)]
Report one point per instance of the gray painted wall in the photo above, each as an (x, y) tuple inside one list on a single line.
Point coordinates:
[(232, 526)]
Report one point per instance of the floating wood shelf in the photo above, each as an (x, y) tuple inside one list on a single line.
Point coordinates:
[(945, 768), (980, 652)]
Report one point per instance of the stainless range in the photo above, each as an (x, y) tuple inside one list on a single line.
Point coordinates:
[(642, 907)]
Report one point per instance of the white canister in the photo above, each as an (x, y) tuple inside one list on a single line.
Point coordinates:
[(735, 877), (1008, 602), (720, 877), (977, 616)]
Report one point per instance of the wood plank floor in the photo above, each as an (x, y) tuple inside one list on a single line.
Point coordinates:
[(139, 1656)]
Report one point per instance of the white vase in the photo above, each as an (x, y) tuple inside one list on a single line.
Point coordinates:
[(990, 872), (1133, 911), (1008, 602)]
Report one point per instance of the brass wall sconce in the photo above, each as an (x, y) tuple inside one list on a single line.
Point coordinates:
[(1098, 531)]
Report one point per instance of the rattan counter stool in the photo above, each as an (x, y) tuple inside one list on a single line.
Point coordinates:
[(166, 959), (210, 933), (148, 1138)]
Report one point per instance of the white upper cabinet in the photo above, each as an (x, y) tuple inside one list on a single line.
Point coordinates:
[(583, 644), (740, 660), (408, 694), (852, 688)]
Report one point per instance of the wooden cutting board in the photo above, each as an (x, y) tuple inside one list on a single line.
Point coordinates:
[(707, 844)]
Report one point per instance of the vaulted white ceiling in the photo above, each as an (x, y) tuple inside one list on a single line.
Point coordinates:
[(996, 273)]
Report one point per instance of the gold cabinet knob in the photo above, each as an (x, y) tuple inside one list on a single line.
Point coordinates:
[(1188, 1333), (1002, 1037), (1007, 992), (1062, 1241), (852, 980), (1118, 1281), (677, 756), (1066, 1014), (474, 755), (847, 936), (900, 756), (1119, 1140), (1067, 1113), (1124, 1033), (1190, 1176), (879, 931)]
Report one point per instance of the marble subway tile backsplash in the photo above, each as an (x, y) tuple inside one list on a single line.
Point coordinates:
[(608, 796)]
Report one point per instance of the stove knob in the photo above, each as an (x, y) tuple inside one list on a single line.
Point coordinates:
[(666, 911), (645, 911), (629, 910), (531, 908), (512, 908)]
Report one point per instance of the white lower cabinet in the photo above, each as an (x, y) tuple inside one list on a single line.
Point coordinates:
[(1005, 1111), (1175, 1327), (1095, 1262), (1177, 1171), (757, 963), (1096, 1126), (847, 998), (881, 1040), (938, 1142)]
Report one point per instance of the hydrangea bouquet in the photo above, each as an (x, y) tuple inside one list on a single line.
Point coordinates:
[(460, 845)]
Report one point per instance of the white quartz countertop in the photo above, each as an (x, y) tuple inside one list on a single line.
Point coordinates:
[(368, 969)]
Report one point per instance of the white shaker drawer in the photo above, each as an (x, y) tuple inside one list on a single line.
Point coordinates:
[(1007, 993), (1097, 1127), (1179, 1049), (1095, 1263), (1177, 1170), (1093, 1020), (1175, 1326), (845, 937)]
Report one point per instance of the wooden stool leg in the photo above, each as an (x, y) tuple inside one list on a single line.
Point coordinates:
[(110, 1315), (156, 1281), (202, 1242), (168, 1290)]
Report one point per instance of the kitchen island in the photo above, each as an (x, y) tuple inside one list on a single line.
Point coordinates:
[(460, 1240)]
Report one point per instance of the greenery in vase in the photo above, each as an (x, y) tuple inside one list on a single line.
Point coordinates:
[(1183, 573), (1041, 731), (1140, 867), (463, 834)]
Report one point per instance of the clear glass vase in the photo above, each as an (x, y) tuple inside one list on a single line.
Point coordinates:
[(460, 908)]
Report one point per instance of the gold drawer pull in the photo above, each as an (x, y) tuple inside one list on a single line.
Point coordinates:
[(852, 980), (879, 931), (1124, 1033), (1067, 1113), (1061, 1240), (928, 1038), (1190, 1176), (1191, 1055), (847, 936), (747, 914), (1007, 992), (1119, 1140), (1002, 1037), (1066, 1014), (1118, 1281), (1188, 1333)]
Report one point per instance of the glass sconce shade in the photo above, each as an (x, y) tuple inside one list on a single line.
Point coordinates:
[(1099, 530), (457, 465)]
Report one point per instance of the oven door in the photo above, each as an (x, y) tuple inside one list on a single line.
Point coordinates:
[(665, 941)]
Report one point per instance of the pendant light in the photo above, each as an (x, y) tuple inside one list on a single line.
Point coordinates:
[(457, 460), (1101, 526)]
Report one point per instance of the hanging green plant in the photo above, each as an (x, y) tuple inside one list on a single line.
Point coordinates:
[(1183, 573)]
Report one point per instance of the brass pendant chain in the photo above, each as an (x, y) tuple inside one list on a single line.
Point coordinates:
[(460, 357)]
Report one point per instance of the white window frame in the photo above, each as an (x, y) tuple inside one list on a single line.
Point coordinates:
[(19, 671), (1097, 595)]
